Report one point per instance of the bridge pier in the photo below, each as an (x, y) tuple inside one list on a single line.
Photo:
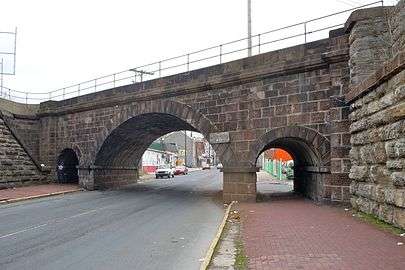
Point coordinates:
[(239, 184), (86, 177), (97, 177)]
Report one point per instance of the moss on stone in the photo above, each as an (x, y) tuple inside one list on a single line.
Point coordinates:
[(375, 221)]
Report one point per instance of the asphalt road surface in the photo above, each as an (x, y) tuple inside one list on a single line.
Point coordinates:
[(158, 224)]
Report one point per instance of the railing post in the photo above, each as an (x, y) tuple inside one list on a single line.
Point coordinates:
[(9, 94), (160, 69), (305, 32), (78, 89), (114, 79), (50, 95), (26, 98), (188, 62), (259, 43), (95, 85), (1, 77), (220, 54), (63, 93)]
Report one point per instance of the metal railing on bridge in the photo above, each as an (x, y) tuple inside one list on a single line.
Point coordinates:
[(274, 39)]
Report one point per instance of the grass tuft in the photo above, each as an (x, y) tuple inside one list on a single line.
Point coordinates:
[(241, 260), (371, 219)]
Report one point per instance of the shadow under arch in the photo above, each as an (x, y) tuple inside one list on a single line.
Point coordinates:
[(126, 143), (67, 163), (310, 151)]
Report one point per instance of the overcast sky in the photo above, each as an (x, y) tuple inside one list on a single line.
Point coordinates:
[(67, 41)]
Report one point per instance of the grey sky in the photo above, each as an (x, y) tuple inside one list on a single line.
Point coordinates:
[(64, 42)]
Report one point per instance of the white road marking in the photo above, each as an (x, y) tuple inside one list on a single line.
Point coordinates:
[(84, 213), (53, 221), (24, 230)]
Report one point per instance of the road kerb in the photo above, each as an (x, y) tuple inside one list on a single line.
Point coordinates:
[(39, 196), (214, 243)]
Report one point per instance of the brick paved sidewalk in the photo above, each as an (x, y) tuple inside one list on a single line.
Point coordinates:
[(37, 190), (298, 234)]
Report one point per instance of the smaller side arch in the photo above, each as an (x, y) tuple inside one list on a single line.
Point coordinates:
[(66, 167), (316, 142), (310, 151)]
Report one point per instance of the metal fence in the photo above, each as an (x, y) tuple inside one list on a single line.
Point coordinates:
[(274, 39)]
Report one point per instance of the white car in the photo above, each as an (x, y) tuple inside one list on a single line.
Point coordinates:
[(164, 170)]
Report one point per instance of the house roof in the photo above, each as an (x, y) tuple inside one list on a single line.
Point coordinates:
[(156, 145)]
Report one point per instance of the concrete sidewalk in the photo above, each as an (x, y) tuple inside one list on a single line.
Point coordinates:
[(298, 234), (268, 185), (37, 191)]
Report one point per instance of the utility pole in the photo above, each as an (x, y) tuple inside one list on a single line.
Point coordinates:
[(185, 148), (140, 72), (249, 28), (209, 154)]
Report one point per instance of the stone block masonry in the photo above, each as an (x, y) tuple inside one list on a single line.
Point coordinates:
[(377, 98), (378, 151), (16, 166), (27, 128)]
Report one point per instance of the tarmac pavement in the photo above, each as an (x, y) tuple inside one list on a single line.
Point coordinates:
[(161, 224)]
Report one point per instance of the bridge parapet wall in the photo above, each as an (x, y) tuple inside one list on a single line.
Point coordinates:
[(311, 56)]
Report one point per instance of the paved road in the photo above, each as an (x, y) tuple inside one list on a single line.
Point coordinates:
[(159, 224)]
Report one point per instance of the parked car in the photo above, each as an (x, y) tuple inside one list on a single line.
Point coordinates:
[(219, 166), (180, 170), (164, 170)]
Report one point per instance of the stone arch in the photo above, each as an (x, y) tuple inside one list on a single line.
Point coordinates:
[(67, 162), (313, 140), (311, 153), (121, 145), (165, 107)]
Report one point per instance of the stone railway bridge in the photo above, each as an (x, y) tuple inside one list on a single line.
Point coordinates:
[(296, 98)]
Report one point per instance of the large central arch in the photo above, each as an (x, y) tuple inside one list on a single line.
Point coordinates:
[(116, 160), (310, 151)]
